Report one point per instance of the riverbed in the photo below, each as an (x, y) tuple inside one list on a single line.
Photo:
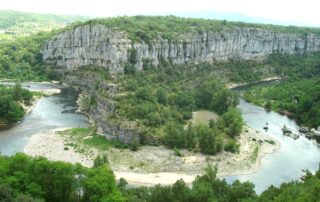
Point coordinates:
[(58, 111)]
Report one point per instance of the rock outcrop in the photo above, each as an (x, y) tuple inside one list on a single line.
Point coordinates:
[(99, 105), (102, 46)]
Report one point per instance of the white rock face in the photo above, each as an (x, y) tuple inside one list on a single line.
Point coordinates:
[(101, 46)]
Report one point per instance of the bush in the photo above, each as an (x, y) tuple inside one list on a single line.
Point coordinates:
[(134, 146), (232, 146), (177, 152)]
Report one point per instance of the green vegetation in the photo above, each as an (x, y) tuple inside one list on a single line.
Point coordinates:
[(22, 59), (82, 139), (148, 28), (208, 188), (295, 65), (255, 154), (298, 95), (299, 99), (23, 178), (270, 141), (11, 98), (160, 101), (16, 23), (20, 54)]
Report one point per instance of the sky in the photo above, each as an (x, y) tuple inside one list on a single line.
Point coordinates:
[(286, 12)]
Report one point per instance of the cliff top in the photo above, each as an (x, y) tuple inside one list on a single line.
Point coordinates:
[(146, 28)]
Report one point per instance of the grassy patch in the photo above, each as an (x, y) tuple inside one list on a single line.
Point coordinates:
[(83, 139), (255, 153), (270, 141), (203, 117)]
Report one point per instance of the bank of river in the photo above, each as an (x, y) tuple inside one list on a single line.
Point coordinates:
[(284, 165), (152, 165), (55, 111), (294, 155)]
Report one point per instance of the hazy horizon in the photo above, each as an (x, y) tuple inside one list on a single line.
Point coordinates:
[(286, 12)]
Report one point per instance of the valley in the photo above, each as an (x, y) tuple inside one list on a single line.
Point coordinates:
[(147, 105)]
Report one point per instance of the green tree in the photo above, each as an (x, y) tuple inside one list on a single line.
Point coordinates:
[(174, 135), (207, 138), (233, 120)]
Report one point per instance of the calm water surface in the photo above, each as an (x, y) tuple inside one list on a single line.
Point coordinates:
[(287, 163), (51, 112)]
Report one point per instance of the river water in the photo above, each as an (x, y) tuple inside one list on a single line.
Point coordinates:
[(51, 112), (294, 155), (282, 166)]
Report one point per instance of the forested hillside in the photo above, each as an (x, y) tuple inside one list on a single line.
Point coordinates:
[(21, 59), (297, 98), (20, 23)]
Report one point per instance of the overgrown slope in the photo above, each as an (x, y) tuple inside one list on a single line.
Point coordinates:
[(21, 23)]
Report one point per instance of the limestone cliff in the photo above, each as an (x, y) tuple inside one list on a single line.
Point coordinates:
[(111, 49), (102, 46)]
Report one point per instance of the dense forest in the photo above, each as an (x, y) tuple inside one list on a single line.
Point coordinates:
[(26, 179), (11, 99), (21, 59), (300, 98)]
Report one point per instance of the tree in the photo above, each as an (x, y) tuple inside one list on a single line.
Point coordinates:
[(174, 135), (207, 138), (100, 185), (233, 120), (162, 95)]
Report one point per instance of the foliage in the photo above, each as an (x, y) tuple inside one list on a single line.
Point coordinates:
[(22, 59), (209, 188), (209, 140), (161, 100), (204, 188), (23, 178), (295, 65), (233, 122), (170, 93), (299, 97), (22, 23), (148, 28), (11, 98), (81, 139), (134, 146)]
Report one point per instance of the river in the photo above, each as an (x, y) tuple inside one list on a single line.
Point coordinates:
[(56, 111), (282, 166), (294, 155)]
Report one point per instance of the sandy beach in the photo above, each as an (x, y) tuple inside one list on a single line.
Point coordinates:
[(51, 146), (152, 165)]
